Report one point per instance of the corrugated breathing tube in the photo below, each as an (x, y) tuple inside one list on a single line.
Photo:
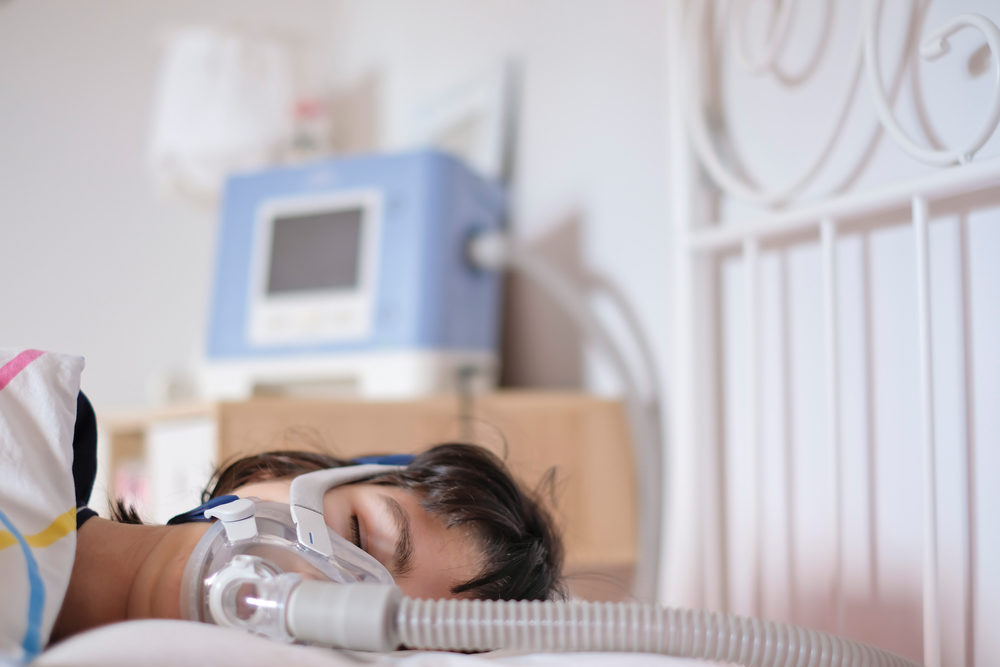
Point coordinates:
[(375, 617)]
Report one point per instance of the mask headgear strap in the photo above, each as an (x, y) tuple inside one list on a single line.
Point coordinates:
[(306, 500)]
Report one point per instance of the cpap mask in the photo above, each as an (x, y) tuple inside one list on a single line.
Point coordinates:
[(277, 570), (260, 551)]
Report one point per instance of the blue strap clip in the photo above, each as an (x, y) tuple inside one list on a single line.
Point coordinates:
[(198, 513), (386, 459)]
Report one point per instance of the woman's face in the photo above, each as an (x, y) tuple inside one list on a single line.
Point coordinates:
[(425, 557)]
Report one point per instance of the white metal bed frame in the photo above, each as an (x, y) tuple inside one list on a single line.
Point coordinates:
[(695, 556)]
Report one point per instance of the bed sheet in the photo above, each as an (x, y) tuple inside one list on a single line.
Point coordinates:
[(162, 643)]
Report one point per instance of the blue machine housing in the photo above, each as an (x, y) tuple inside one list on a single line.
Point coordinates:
[(427, 296)]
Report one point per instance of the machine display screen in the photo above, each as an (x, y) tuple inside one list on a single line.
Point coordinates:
[(315, 251)]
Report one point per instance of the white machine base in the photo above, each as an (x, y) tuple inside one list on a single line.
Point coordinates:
[(378, 375)]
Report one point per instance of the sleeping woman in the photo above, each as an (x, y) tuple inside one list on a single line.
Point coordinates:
[(452, 523)]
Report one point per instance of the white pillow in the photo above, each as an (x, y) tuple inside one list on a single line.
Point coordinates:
[(38, 393)]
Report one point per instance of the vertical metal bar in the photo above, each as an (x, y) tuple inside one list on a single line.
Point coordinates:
[(684, 548), (828, 240), (711, 426), (932, 630), (689, 556), (751, 264), (971, 543), (788, 419), (871, 416)]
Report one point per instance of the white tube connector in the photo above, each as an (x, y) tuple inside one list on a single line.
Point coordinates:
[(356, 616)]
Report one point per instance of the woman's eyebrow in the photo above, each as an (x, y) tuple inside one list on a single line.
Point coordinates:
[(404, 542)]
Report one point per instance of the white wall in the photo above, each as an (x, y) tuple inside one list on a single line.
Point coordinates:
[(93, 261), (104, 267)]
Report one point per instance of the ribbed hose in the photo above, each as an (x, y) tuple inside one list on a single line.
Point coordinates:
[(479, 625)]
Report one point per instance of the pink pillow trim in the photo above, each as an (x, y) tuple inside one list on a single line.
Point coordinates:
[(16, 365)]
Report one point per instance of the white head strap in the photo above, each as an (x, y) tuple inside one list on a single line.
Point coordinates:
[(306, 500)]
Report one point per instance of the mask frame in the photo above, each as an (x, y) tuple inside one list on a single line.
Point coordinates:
[(257, 544)]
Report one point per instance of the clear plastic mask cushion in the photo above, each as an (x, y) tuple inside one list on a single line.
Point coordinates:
[(257, 547)]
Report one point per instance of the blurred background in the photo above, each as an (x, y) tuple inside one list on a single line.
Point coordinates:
[(111, 221), (107, 252)]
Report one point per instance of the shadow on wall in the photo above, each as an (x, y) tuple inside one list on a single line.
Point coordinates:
[(541, 345)]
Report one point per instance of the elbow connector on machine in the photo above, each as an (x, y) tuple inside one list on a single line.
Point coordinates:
[(488, 250)]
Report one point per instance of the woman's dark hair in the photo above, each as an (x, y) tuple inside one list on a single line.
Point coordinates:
[(463, 485)]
